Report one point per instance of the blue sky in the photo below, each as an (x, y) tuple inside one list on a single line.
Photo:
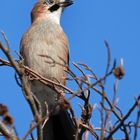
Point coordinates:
[(87, 24)]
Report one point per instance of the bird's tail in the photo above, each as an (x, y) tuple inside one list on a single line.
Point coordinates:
[(59, 127)]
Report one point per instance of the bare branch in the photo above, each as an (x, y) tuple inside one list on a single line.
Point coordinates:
[(124, 118)]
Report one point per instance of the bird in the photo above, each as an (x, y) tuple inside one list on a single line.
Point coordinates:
[(44, 49)]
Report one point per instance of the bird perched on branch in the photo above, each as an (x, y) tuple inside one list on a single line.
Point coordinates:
[(44, 48)]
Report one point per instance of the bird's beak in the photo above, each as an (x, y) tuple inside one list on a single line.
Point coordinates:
[(65, 3), (60, 4)]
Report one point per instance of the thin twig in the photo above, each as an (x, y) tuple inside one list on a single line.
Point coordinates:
[(137, 122), (108, 60), (10, 58), (124, 118), (33, 127), (5, 38)]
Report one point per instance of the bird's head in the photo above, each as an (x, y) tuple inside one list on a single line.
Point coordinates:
[(49, 9)]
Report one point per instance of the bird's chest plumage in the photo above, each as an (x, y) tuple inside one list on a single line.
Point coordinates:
[(44, 49)]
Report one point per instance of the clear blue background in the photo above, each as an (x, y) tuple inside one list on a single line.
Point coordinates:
[(87, 24)]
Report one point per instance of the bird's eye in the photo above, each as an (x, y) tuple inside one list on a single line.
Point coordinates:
[(54, 7), (44, 3), (51, 1)]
